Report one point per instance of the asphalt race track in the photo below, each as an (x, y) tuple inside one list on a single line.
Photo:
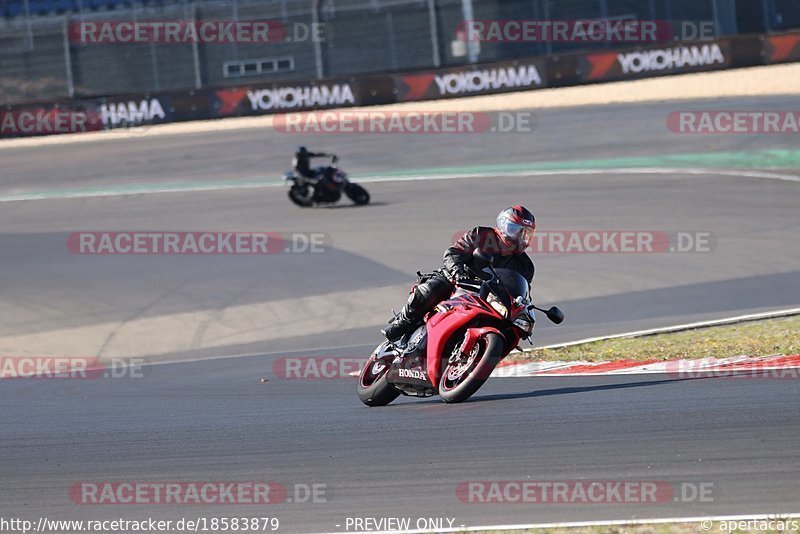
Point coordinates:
[(213, 419)]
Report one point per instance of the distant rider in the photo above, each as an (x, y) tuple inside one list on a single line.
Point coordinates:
[(506, 244), (302, 161)]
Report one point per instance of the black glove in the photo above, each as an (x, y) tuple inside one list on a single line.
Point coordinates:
[(459, 274)]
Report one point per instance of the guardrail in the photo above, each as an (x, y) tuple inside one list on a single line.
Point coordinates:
[(81, 115)]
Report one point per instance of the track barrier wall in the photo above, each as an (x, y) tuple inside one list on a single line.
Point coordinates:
[(561, 70)]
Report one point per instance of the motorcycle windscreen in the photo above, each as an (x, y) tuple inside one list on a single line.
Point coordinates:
[(514, 282)]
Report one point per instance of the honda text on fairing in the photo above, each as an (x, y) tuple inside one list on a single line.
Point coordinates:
[(324, 186), (461, 342)]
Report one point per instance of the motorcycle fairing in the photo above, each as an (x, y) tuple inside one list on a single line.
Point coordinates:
[(452, 315), (407, 372), (472, 336)]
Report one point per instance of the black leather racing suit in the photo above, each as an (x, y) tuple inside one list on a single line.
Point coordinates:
[(456, 261), (302, 162), (487, 241)]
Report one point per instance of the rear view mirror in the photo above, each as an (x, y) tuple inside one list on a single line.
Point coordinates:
[(555, 315)]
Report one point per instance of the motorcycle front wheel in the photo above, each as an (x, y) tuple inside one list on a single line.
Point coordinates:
[(357, 194), (460, 380), (299, 194), (372, 388)]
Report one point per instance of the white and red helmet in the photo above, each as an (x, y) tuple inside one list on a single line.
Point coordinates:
[(516, 226)]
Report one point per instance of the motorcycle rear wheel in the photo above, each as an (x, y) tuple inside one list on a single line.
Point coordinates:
[(457, 385), (372, 388)]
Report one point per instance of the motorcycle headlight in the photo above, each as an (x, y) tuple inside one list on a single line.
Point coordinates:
[(524, 323), (498, 306)]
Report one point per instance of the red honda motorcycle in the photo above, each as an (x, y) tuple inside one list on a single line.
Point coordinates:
[(461, 342)]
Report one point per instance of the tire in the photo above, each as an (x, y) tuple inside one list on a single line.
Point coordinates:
[(372, 388), (489, 353), (299, 195), (357, 194)]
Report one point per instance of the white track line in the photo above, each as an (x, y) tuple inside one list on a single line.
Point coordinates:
[(168, 361), (201, 188), (677, 328), (506, 371), (730, 320), (735, 366), (695, 171)]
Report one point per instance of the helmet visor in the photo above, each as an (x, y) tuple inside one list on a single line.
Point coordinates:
[(522, 235)]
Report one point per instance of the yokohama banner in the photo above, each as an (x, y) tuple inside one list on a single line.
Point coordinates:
[(113, 112), (638, 63), (129, 111), (472, 80), (275, 98), (780, 48)]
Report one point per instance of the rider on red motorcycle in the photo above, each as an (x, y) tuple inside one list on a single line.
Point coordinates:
[(506, 243)]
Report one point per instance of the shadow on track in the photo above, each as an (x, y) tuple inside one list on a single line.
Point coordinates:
[(569, 390), (547, 392), (346, 206)]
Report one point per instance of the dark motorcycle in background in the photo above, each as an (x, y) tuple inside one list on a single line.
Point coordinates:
[(326, 187), (461, 342)]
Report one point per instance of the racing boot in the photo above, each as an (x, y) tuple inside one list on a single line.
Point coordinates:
[(422, 300), (399, 326)]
